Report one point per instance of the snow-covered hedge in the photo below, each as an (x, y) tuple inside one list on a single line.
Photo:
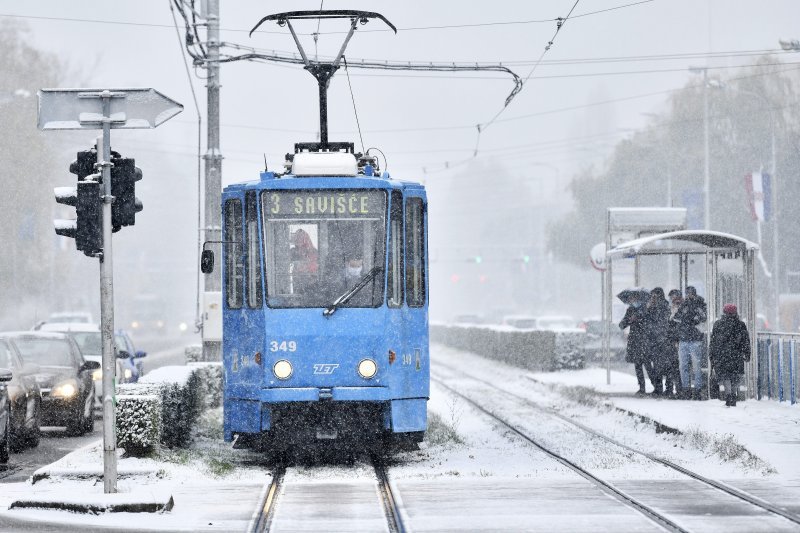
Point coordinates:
[(180, 391), (180, 402), (138, 423), (193, 353), (210, 388), (531, 349)]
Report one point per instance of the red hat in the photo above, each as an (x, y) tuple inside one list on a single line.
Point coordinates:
[(729, 309)]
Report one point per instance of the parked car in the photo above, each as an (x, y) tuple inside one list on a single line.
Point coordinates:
[(64, 378), (468, 319), (5, 414), (24, 397), (90, 343), (520, 321), (593, 348), (556, 323)]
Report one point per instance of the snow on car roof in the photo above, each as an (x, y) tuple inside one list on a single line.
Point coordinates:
[(36, 334), (70, 326)]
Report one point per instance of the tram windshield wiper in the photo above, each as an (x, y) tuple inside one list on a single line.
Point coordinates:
[(344, 298)]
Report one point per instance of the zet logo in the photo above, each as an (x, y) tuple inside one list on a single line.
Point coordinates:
[(325, 368)]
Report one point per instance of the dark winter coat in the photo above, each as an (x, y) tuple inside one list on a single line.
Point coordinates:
[(691, 313), (637, 336), (729, 347), (657, 331)]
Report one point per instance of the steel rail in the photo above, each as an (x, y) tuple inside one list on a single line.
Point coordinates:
[(606, 487), (390, 508), (262, 518), (732, 491)]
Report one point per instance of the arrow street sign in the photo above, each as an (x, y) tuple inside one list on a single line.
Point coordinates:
[(105, 109), (82, 109)]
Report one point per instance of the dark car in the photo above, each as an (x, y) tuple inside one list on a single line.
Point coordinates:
[(65, 378), (5, 414), (24, 397)]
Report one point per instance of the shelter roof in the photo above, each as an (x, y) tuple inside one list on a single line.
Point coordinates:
[(681, 241)]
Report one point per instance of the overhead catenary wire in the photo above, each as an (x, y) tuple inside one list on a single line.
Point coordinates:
[(353, 98), (276, 32)]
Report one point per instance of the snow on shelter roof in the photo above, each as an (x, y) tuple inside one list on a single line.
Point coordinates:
[(670, 242)]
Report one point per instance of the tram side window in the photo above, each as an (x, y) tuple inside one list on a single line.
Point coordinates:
[(415, 252), (395, 275), (253, 271), (234, 266)]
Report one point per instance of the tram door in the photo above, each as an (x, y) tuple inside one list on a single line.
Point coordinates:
[(415, 311)]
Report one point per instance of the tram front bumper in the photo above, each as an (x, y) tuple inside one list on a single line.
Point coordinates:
[(314, 394)]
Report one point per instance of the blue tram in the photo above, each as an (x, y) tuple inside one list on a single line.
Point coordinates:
[(325, 302)]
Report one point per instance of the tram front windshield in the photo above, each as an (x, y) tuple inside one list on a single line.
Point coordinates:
[(321, 243)]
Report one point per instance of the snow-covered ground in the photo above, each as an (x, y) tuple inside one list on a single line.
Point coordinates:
[(471, 473), (769, 429)]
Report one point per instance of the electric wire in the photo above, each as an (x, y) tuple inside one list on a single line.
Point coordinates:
[(353, 98), (237, 30)]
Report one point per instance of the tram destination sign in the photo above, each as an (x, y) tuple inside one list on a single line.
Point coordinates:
[(82, 109), (325, 203)]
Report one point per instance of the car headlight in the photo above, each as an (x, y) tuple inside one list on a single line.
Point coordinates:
[(65, 390), (160, 324), (97, 375), (282, 369), (134, 324), (367, 368), (128, 373), (183, 326)]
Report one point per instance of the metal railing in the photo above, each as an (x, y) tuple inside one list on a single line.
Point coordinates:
[(777, 363)]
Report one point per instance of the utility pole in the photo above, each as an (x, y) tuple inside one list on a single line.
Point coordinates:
[(706, 163), (212, 297), (707, 178)]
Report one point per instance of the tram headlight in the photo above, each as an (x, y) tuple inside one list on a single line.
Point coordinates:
[(367, 368), (282, 369)]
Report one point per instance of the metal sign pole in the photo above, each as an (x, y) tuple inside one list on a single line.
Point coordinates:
[(107, 309), (130, 108)]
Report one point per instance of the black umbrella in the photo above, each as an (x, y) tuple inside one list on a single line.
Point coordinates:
[(635, 294)]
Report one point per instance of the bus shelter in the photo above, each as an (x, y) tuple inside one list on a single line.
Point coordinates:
[(722, 263)]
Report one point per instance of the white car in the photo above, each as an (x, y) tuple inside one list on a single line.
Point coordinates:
[(82, 317)]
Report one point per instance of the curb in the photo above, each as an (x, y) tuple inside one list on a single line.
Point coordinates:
[(96, 507), (55, 473)]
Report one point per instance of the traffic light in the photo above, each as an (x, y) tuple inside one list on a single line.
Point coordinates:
[(87, 230), (84, 165), (124, 175), (478, 259), (86, 197), (526, 259)]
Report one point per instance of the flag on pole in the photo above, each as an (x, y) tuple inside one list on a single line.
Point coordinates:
[(759, 195)]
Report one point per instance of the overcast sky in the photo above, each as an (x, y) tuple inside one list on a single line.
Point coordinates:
[(569, 114)]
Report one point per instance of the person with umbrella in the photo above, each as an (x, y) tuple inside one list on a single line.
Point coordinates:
[(637, 348), (728, 350)]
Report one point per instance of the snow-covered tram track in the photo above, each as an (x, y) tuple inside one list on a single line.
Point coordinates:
[(776, 513), (308, 505), (603, 485)]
